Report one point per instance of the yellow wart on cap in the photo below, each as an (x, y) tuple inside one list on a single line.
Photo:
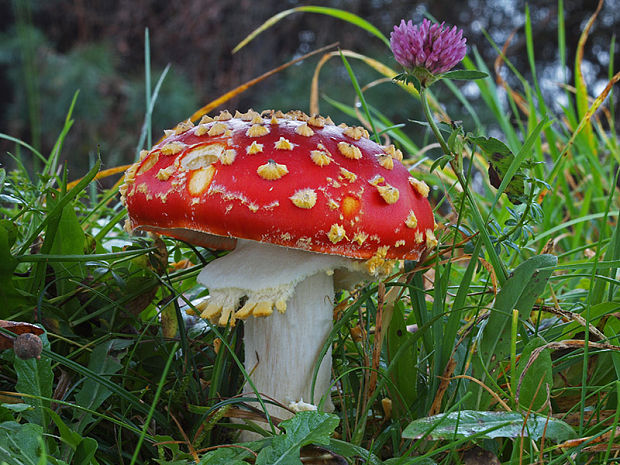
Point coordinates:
[(257, 130), (356, 132), (165, 173), (389, 193), (378, 261), (205, 119), (419, 186), (148, 163), (272, 170), (348, 175), (228, 156), (223, 116), (419, 237), (304, 198), (254, 148), (376, 180), (411, 221), (431, 240), (284, 144), (201, 130), (298, 115), (360, 237), (349, 151), (316, 121), (217, 129), (386, 161), (183, 126), (393, 152), (336, 233), (304, 130), (248, 116), (258, 119), (320, 157), (172, 148)]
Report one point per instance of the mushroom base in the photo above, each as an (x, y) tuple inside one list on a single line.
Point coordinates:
[(282, 351)]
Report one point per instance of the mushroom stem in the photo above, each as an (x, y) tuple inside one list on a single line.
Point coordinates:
[(282, 351)]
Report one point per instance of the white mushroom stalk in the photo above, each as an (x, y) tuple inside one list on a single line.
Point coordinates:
[(295, 290)]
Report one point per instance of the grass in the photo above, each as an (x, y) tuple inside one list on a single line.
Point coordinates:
[(505, 338)]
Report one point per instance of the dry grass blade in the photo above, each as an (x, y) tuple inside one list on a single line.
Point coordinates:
[(567, 344), (486, 388), (499, 62), (598, 101), (580, 83), (443, 387), (378, 340), (594, 443), (102, 174), (572, 316)]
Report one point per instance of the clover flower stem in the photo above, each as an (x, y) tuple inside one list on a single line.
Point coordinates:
[(496, 263)]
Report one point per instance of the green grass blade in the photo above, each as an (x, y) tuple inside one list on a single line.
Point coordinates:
[(55, 212), (147, 86), (24, 144), (52, 162), (334, 12), (151, 413), (147, 118), (360, 94)]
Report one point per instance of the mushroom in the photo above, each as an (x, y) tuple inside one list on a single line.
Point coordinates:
[(303, 205)]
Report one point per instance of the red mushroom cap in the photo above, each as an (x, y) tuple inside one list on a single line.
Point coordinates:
[(286, 179)]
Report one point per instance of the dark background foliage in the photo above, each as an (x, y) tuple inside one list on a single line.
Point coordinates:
[(49, 49)]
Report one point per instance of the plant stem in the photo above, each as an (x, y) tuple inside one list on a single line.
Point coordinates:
[(496, 263)]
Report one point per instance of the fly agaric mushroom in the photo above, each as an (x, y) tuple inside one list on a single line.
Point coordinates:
[(305, 205)]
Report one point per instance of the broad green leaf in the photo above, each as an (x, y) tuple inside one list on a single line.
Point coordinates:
[(35, 377), (488, 425), (465, 74), (230, 455), (520, 291), (83, 449), (404, 372), (68, 239), (303, 429), (538, 379), (224, 456), (9, 295), (66, 434), (85, 452), (20, 444), (93, 393), (350, 451)]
